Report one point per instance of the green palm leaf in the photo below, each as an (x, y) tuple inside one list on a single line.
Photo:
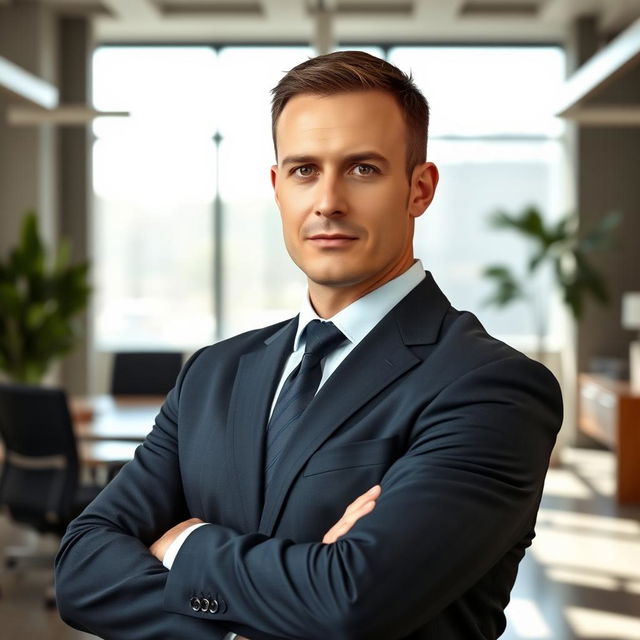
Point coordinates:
[(562, 245), (38, 304)]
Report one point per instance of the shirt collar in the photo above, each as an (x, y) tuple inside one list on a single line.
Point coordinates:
[(356, 320)]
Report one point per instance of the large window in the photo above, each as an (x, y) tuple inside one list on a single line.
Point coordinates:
[(188, 243), (154, 182), (498, 146)]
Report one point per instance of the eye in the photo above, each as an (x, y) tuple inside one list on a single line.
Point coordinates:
[(365, 170), (305, 171)]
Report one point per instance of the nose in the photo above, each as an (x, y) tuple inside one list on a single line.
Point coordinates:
[(330, 196)]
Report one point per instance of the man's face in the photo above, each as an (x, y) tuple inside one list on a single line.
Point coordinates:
[(341, 185)]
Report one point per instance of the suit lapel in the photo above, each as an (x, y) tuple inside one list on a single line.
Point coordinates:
[(380, 359), (253, 389)]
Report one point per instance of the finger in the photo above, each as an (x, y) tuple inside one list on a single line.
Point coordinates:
[(330, 536), (356, 514), (352, 516), (360, 506), (372, 493), (346, 522)]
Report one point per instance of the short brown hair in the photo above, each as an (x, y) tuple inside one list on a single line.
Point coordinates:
[(345, 71)]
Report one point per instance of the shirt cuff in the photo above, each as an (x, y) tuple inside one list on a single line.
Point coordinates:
[(230, 636), (174, 547)]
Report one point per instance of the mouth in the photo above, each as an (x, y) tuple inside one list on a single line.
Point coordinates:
[(331, 240)]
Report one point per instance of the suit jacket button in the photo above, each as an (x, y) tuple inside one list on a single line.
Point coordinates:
[(195, 603), (204, 602), (213, 606)]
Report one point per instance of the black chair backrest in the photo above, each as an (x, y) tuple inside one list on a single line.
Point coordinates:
[(40, 470), (145, 373)]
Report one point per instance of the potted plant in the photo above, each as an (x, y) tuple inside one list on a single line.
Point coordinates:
[(565, 250), (40, 298)]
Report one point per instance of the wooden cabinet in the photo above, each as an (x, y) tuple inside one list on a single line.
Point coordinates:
[(610, 413)]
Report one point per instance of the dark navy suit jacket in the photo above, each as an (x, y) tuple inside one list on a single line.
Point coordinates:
[(456, 426)]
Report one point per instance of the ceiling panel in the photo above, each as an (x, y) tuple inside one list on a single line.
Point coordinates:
[(354, 20)]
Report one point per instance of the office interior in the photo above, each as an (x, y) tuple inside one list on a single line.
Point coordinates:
[(139, 132)]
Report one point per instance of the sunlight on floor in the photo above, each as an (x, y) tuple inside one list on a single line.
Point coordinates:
[(590, 623), (595, 467), (588, 549), (564, 484), (588, 523), (583, 578)]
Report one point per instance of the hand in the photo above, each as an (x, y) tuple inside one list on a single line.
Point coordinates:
[(160, 546), (358, 508)]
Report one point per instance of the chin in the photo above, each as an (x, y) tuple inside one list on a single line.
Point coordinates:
[(334, 279), (333, 270)]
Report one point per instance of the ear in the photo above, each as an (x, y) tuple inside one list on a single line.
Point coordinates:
[(274, 182), (424, 180)]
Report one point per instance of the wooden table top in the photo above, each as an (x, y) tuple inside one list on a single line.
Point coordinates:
[(105, 418)]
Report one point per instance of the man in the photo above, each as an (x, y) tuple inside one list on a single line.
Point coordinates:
[(229, 518)]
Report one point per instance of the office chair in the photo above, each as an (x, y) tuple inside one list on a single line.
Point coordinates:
[(39, 484), (145, 373)]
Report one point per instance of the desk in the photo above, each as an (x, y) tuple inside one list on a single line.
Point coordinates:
[(106, 418), (610, 413), (108, 430), (100, 454)]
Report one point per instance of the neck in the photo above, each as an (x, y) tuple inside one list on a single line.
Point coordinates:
[(327, 300)]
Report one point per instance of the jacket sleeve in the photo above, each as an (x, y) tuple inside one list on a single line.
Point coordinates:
[(465, 492), (107, 582)]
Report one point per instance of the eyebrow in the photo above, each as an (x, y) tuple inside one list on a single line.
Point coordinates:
[(350, 159)]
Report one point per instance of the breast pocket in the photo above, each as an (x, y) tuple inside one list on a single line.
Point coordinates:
[(362, 453)]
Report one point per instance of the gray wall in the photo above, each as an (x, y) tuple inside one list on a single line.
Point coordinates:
[(607, 162)]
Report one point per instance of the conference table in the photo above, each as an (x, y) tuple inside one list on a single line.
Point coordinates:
[(108, 429)]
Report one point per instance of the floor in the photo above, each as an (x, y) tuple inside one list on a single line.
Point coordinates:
[(579, 581)]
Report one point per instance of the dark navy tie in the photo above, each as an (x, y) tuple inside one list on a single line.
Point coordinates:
[(321, 338)]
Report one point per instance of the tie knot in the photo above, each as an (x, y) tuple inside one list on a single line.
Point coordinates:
[(321, 338)]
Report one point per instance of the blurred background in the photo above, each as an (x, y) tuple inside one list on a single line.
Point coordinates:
[(137, 223)]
